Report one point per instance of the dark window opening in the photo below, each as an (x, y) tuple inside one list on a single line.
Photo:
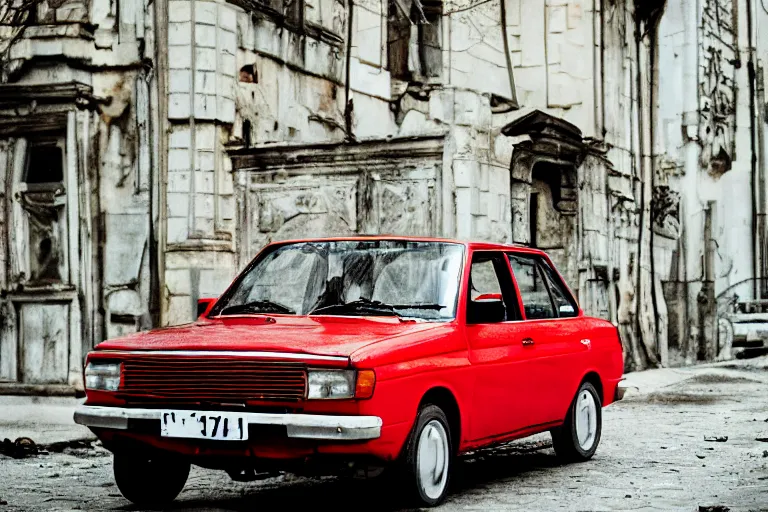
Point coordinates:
[(550, 174), (247, 133), (414, 39), (248, 74), (291, 11), (45, 164), (533, 219), (294, 10)]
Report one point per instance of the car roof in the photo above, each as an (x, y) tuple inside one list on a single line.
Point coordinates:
[(474, 245)]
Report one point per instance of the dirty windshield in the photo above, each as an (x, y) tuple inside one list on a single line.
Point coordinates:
[(353, 278)]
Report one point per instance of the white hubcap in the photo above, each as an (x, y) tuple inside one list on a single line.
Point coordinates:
[(432, 459), (586, 420)]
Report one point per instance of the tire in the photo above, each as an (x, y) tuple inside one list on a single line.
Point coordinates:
[(149, 480), (577, 439), (427, 459)]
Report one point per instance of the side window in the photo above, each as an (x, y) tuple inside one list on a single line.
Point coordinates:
[(533, 289), (483, 280), (491, 295), (563, 301)]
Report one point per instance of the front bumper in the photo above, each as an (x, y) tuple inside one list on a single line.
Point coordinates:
[(301, 426)]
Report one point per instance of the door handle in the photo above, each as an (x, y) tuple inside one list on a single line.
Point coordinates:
[(527, 342)]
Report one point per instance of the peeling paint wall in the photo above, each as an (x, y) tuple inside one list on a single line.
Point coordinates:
[(81, 77)]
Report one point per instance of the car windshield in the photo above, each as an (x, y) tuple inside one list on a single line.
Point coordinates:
[(355, 278)]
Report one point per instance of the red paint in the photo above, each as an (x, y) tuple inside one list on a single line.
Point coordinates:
[(488, 296), (205, 305), (509, 379)]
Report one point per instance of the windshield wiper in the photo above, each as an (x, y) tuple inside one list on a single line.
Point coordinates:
[(436, 307), (374, 306), (257, 306)]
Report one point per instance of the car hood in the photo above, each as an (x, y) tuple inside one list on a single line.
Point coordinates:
[(323, 336)]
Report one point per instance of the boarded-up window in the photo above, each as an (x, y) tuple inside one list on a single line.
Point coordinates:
[(414, 39)]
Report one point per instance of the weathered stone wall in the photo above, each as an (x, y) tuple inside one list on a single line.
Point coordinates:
[(647, 213), (199, 195), (80, 78)]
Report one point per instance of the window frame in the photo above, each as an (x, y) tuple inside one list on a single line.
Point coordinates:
[(555, 276), (542, 265), (431, 14), (44, 186), (511, 299)]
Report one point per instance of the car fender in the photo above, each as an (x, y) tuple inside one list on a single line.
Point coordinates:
[(398, 398)]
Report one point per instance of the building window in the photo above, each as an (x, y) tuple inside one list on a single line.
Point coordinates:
[(43, 199), (45, 164), (414, 40), (291, 11)]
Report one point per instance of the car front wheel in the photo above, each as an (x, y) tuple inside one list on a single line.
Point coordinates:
[(577, 439), (428, 457), (150, 480)]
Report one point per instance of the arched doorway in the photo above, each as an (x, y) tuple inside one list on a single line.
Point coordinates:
[(544, 187)]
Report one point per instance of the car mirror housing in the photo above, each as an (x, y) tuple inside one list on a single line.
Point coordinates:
[(488, 296), (204, 305)]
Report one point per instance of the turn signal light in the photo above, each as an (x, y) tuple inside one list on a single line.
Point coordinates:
[(366, 380)]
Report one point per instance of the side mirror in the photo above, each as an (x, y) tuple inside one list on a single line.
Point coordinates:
[(204, 305), (488, 296)]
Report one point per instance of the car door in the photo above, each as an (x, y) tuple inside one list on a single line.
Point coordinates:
[(502, 392), (554, 328)]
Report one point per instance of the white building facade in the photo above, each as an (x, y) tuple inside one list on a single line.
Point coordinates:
[(149, 149)]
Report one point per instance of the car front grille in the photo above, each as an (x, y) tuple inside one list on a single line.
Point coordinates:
[(181, 379)]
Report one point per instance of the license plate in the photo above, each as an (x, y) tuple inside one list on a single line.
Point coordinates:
[(218, 426)]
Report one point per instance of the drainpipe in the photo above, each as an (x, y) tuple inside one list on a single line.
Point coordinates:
[(157, 186), (598, 58), (691, 222), (510, 71), (757, 226), (347, 95), (759, 120), (761, 196)]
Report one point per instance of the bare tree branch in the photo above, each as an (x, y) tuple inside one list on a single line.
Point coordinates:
[(17, 15)]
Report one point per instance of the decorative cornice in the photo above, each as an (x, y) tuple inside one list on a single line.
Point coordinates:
[(266, 158), (549, 137), (75, 93)]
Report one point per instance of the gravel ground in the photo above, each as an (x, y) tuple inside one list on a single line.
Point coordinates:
[(653, 456)]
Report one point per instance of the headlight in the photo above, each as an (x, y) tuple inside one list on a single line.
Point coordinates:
[(338, 384), (102, 376), (330, 384)]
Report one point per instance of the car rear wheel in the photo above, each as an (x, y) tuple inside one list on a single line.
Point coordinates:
[(428, 457), (149, 480), (577, 439)]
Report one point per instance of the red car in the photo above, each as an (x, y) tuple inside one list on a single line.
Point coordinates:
[(359, 354)]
